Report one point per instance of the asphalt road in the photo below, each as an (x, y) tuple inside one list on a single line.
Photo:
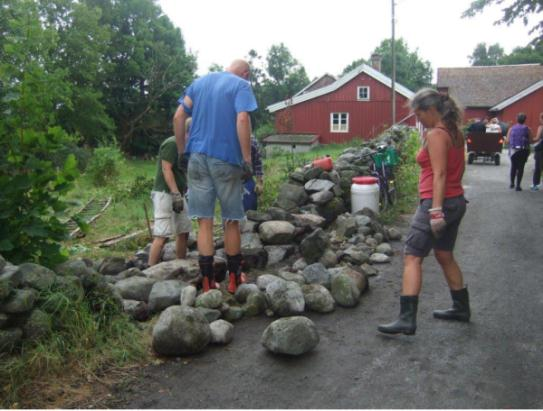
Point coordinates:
[(496, 361)]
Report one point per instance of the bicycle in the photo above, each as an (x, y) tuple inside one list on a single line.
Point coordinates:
[(382, 168)]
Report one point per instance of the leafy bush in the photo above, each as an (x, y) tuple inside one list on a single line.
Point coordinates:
[(104, 165), (81, 154), (140, 186)]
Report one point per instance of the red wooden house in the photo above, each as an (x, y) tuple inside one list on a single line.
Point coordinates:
[(496, 91), (357, 105)]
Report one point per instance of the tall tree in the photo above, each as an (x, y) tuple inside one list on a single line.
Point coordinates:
[(82, 43), (531, 54), (147, 69), (353, 65), (486, 56), (285, 75), (411, 71), (515, 9)]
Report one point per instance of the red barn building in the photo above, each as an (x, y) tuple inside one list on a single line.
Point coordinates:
[(357, 105), (496, 91)]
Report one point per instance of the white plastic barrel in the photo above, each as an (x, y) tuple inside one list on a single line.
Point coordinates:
[(365, 193)]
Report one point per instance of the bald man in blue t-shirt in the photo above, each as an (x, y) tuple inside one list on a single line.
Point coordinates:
[(220, 157)]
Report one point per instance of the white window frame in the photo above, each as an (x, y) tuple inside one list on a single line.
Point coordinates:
[(358, 89), (339, 128)]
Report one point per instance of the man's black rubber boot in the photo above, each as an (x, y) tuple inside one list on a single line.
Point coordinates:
[(407, 321), (460, 310)]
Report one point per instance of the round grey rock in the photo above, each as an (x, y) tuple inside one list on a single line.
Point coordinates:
[(286, 298), (222, 332), (291, 336), (135, 288), (209, 299), (344, 290), (180, 330), (264, 280), (188, 295), (36, 276), (318, 298), (317, 273), (165, 293), (378, 258), (244, 290), (20, 301)]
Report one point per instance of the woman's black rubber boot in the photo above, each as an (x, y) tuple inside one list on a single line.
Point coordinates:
[(460, 310), (407, 321)]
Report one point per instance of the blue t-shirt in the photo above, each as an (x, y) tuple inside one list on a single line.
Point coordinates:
[(217, 98)]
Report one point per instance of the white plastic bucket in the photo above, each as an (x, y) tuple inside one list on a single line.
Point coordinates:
[(365, 193)]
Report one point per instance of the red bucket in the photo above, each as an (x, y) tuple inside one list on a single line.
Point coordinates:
[(325, 163)]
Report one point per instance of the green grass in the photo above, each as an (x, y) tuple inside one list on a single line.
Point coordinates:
[(89, 333), (126, 214)]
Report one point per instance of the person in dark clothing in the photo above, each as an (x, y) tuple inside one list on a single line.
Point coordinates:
[(518, 138)]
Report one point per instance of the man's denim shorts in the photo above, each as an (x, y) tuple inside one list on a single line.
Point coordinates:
[(210, 178), (420, 239)]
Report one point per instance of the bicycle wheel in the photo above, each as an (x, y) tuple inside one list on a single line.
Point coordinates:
[(392, 193), (383, 196)]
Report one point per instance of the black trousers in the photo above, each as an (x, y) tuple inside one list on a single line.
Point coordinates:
[(538, 157), (518, 161)]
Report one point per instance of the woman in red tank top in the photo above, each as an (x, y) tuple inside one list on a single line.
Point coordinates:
[(438, 216)]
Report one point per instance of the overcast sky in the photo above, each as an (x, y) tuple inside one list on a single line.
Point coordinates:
[(326, 36)]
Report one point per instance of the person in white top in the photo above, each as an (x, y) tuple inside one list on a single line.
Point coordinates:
[(493, 126)]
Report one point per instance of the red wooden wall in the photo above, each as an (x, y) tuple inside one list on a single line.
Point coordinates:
[(366, 118), (531, 105)]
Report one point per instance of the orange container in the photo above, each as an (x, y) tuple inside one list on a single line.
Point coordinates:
[(325, 163)]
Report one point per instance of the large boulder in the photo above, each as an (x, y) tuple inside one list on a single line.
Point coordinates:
[(250, 240), (79, 267), (332, 209), (165, 293), (318, 185), (292, 336), (291, 197), (359, 277), (318, 298), (138, 310), (112, 265), (180, 330), (36, 276), (345, 226), (278, 253), (244, 290), (344, 290), (209, 299), (286, 298), (264, 280), (321, 197), (311, 221), (276, 232), (20, 301), (312, 246), (355, 255), (135, 288), (317, 274), (256, 304), (185, 270)]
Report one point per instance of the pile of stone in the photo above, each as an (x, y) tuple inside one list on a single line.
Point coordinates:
[(23, 314)]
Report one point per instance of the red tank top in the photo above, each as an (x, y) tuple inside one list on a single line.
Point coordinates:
[(455, 171)]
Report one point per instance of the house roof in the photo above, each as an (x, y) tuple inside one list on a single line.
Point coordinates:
[(486, 86), (291, 139), (322, 81), (363, 68), (517, 97)]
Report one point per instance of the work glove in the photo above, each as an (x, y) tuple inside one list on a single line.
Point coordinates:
[(437, 221), (177, 202), (246, 171), (183, 162)]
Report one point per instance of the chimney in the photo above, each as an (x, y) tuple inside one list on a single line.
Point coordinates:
[(376, 59)]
